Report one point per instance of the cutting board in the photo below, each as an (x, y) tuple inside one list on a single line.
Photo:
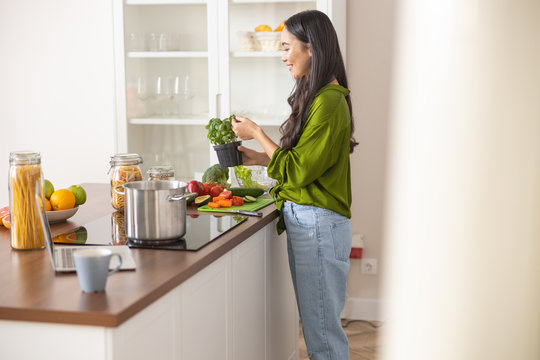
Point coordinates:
[(253, 206)]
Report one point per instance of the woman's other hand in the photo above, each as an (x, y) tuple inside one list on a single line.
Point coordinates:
[(244, 128), (252, 157)]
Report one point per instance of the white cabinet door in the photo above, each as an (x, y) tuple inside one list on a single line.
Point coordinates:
[(204, 321), (249, 299), (282, 313), (151, 334)]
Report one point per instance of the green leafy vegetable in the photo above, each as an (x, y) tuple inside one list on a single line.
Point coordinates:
[(216, 174), (244, 174), (220, 131)]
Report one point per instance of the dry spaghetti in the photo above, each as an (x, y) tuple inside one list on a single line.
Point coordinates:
[(26, 229)]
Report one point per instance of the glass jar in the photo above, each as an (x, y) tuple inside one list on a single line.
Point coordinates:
[(118, 228), (164, 172), (125, 168), (25, 199)]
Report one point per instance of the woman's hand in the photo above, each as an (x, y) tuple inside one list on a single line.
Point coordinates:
[(244, 128), (252, 157)]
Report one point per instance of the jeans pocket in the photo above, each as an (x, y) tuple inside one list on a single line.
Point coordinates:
[(304, 215), (342, 238)]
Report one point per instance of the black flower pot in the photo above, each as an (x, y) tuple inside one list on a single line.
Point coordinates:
[(228, 154)]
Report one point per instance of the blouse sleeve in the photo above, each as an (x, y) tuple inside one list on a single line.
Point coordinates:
[(315, 151)]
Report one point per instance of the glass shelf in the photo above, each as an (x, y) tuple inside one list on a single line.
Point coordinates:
[(268, 1), (188, 120), (256, 53), (164, 2), (167, 54)]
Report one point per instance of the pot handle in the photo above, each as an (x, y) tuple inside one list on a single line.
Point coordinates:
[(118, 192), (181, 196)]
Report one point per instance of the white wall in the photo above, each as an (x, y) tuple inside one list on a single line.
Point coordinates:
[(56, 87), (463, 218), (370, 41)]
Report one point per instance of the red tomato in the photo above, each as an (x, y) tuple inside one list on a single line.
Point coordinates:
[(207, 189), (195, 186), (226, 194), (237, 201), (216, 190), (209, 183)]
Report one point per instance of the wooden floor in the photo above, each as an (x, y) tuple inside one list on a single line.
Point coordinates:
[(363, 337)]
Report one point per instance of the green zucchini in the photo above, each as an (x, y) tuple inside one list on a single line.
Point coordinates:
[(244, 191), (202, 200)]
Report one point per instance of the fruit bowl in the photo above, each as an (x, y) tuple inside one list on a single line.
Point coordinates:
[(61, 215)]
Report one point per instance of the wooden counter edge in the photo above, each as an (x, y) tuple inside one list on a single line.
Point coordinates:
[(230, 240)]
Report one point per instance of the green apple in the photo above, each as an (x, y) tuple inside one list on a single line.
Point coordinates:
[(49, 189), (80, 194)]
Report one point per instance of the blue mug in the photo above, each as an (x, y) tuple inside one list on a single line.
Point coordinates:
[(92, 267)]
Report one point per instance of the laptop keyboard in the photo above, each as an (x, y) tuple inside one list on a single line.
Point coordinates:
[(67, 257)]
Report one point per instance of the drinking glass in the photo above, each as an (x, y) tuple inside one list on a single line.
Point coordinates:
[(163, 42), (142, 92), (152, 42), (162, 93), (185, 96)]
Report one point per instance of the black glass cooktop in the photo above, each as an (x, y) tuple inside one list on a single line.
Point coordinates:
[(201, 229)]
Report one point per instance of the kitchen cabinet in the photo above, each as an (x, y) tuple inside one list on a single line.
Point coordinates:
[(241, 306), (179, 63)]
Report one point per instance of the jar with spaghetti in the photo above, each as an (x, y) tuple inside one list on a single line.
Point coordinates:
[(163, 172), (125, 168), (25, 199)]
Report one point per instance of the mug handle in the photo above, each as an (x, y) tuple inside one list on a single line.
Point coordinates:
[(117, 266)]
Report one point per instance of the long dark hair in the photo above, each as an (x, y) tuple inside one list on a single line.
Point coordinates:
[(313, 27)]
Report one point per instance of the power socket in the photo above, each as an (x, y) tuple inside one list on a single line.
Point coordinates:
[(369, 266)]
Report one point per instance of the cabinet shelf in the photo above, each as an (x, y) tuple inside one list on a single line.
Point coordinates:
[(167, 54), (269, 1), (260, 119), (164, 2), (256, 53), (190, 120)]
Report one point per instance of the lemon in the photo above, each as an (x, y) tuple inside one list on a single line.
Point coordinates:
[(49, 189), (62, 199), (80, 194)]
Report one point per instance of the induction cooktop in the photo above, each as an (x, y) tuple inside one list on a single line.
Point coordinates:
[(201, 229)]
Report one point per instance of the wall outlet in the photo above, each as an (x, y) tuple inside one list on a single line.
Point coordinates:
[(369, 266)]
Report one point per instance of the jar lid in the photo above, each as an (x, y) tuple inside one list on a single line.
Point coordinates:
[(157, 170), (24, 157), (126, 159)]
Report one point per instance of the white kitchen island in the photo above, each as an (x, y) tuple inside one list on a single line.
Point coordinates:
[(233, 299)]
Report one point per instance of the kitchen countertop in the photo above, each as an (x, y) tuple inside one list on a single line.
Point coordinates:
[(31, 291)]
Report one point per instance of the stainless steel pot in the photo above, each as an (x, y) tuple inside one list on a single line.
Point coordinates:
[(155, 210)]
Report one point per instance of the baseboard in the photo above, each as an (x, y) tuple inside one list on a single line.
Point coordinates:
[(362, 309)]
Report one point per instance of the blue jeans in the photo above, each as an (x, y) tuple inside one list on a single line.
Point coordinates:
[(319, 245)]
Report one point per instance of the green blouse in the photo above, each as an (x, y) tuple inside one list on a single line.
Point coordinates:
[(317, 170)]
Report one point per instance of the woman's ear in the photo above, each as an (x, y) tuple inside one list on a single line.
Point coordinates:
[(309, 49)]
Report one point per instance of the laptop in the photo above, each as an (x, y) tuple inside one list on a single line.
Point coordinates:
[(62, 256)]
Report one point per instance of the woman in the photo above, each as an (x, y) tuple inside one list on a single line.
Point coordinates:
[(312, 169)]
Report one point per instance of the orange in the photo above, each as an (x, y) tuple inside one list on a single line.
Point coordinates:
[(4, 212), (280, 26), (263, 28), (48, 206), (62, 199), (6, 221)]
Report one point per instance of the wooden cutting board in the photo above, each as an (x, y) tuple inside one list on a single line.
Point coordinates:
[(253, 206)]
